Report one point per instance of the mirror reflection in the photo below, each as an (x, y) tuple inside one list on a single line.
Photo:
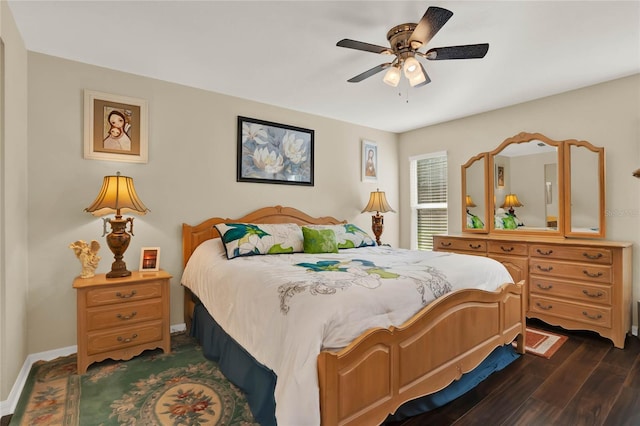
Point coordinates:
[(526, 187), (474, 176), (585, 189)]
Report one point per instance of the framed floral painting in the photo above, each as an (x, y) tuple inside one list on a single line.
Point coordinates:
[(274, 153), (115, 128)]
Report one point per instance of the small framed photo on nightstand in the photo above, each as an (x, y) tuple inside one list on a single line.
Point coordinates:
[(149, 259)]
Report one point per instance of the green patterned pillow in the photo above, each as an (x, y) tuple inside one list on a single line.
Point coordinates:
[(348, 235), (248, 239), (319, 240)]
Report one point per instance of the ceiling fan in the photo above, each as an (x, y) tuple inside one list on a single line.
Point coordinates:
[(405, 41)]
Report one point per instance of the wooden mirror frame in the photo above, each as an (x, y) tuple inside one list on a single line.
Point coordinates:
[(564, 222), (482, 158)]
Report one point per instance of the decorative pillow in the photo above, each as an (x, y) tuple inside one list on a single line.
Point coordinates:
[(319, 240), (248, 239), (348, 235), (474, 221)]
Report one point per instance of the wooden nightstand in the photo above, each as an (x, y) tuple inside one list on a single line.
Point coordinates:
[(119, 318)]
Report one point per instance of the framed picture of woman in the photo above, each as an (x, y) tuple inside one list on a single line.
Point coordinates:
[(369, 161), (115, 128)]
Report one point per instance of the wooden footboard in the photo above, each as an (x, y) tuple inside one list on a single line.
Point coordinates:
[(383, 368)]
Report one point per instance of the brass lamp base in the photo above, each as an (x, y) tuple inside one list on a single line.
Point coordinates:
[(118, 241), (377, 225)]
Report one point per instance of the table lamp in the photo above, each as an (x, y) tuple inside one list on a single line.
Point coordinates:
[(378, 203), (511, 201), (469, 202), (117, 195)]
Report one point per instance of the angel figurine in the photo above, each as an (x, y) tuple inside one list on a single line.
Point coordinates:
[(87, 254)]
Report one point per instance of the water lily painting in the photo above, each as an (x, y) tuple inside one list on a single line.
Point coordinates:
[(274, 153)]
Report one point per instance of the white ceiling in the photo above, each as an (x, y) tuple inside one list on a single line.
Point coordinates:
[(284, 53)]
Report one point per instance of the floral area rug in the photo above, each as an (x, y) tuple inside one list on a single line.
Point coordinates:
[(179, 388)]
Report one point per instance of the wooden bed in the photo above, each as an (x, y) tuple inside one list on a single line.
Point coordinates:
[(383, 368)]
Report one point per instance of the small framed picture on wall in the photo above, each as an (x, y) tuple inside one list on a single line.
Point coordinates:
[(150, 259), (369, 161)]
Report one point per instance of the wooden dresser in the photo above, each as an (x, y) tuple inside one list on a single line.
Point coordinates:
[(577, 284), (119, 318)]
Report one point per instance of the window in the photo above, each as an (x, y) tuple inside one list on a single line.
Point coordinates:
[(429, 213)]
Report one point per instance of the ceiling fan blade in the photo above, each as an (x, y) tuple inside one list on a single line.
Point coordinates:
[(360, 45), (434, 19), (427, 80), (369, 73), (470, 51)]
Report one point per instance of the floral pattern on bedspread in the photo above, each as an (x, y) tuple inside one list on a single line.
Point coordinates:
[(363, 273)]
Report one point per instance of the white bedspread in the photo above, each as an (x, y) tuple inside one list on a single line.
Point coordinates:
[(284, 309)]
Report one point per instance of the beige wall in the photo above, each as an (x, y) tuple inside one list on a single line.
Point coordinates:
[(606, 115), (190, 176), (13, 204)]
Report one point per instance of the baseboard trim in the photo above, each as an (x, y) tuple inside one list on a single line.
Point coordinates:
[(9, 405)]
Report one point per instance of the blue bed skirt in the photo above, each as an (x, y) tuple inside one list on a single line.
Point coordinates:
[(258, 382)]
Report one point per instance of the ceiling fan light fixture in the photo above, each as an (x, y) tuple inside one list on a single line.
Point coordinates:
[(411, 67), (416, 79), (392, 76)]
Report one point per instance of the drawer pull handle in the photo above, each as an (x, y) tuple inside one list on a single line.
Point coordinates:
[(598, 294), (543, 269), (475, 247), (507, 249), (592, 256), (544, 253), (591, 274), (127, 317), (592, 317), (546, 308), (543, 287), (444, 244), (126, 296), (127, 339)]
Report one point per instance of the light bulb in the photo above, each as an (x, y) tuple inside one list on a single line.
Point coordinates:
[(411, 66), (392, 77)]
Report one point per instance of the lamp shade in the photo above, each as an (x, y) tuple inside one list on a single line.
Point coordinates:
[(117, 195), (378, 203), (511, 200), (469, 202), (392, 76)]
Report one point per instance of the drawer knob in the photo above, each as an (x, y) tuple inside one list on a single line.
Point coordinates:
[(591, 274), (592, 317), (445, 244), (507, 249), (598, 294), (545, 307), (127, 317), (475, 247), (126, 296), (544, 253), (545, 287), (543, 269), (127, 339), (592, 256)]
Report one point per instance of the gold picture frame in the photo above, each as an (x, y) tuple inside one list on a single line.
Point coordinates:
[(115, 128), (149, 259)]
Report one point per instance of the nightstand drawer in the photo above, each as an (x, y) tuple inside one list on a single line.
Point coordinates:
[(114, 339), (576, 271), (589, 314), (563, 289), (580, 254), (125, 293), (123, 314)]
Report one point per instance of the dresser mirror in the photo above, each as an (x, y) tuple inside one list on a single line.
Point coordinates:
[(584, 171), (536, 185), (474, 194)]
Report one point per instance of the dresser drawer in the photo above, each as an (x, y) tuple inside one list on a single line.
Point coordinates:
[(507, 247), (580, 254), (576, 271), (119, 294), (114, 339), (588, 314), (112, 316), (457, 244), (564, 289)]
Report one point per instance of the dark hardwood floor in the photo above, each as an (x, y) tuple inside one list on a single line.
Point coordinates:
[(587, 382)]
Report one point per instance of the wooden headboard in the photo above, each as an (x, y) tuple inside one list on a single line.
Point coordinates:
[(193, 236)]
